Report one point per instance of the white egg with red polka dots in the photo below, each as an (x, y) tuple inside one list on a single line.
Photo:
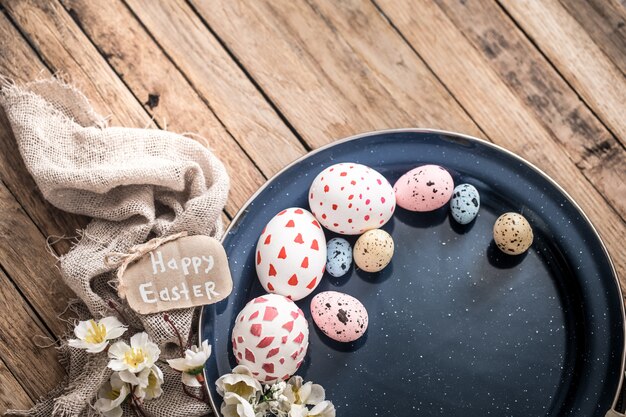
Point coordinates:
[(349, 198)]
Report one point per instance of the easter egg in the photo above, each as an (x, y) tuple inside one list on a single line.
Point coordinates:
[(350, 198), (270, 337), (338, 257), (339, 316), (424, 188), (291, 254), (465, 203), (373, 250), (512, 233)]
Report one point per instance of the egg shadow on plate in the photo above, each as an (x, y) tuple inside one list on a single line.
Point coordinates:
[(459, 228), (422, 220), (501, 260), (221, 306), (375, 277), (339, 281), (306, 363), (341, 346)]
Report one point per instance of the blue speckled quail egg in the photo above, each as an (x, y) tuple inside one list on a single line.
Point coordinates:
[(338, 257), (465, 203)]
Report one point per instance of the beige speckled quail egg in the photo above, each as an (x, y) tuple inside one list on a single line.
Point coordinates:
[(373, 251), (512, 233)]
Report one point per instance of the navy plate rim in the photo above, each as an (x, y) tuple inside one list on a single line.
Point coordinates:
[(466, 137)]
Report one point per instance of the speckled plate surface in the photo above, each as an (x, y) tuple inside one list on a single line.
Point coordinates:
[(456, 327)]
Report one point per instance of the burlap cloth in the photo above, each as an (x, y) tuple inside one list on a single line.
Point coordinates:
[(136, 184)]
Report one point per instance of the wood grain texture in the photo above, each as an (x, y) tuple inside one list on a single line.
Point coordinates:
[(17, 349), (576, 56), (26, 260), (161, 87), (329, 81), (12, 394), (505, 49), (19, 63), (266, 80), (64, 47), (605, 22), (500, 113), (221, 83)]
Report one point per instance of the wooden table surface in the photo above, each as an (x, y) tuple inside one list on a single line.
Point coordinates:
[(267, 81)]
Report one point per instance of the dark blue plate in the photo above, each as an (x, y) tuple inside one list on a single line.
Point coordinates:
[(456, 327)]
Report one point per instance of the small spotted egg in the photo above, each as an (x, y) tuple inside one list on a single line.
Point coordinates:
[(465, 203), (425, 188), (512, 233), (373, 250), (340, 316), (338, 257)]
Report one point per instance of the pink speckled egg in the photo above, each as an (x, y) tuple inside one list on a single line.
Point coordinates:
[(270, 337), (424, 188), (291, 254), (340, 316), (350, 198)]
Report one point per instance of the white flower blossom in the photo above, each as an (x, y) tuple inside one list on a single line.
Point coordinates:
[(275, 399), (323, 409), (298, 410), (236, 406), (151, 380), (192, 364), (111, 396), (94, 335), (305, 394), (141, 354), (245, 397), (240, 382)]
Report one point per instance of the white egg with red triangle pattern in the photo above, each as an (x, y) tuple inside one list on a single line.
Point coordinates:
[(290, 254)]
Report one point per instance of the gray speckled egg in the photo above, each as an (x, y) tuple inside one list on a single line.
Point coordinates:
[(512, 233), (338, 257), (465, 203)]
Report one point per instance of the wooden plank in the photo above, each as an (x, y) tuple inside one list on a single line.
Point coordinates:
[(605, 22), (25, 259), (66, 50), (34, 269), (532, 78), (161, 87), (572, 51), (213, 74), (329, 83), (37, 369), (499, 112), (65, 47), (18, 62), (12, 394)]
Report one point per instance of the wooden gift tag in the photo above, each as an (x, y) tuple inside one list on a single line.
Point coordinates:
[(187, 272)]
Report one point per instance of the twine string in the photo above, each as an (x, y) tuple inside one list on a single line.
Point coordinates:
[(122, 260)]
